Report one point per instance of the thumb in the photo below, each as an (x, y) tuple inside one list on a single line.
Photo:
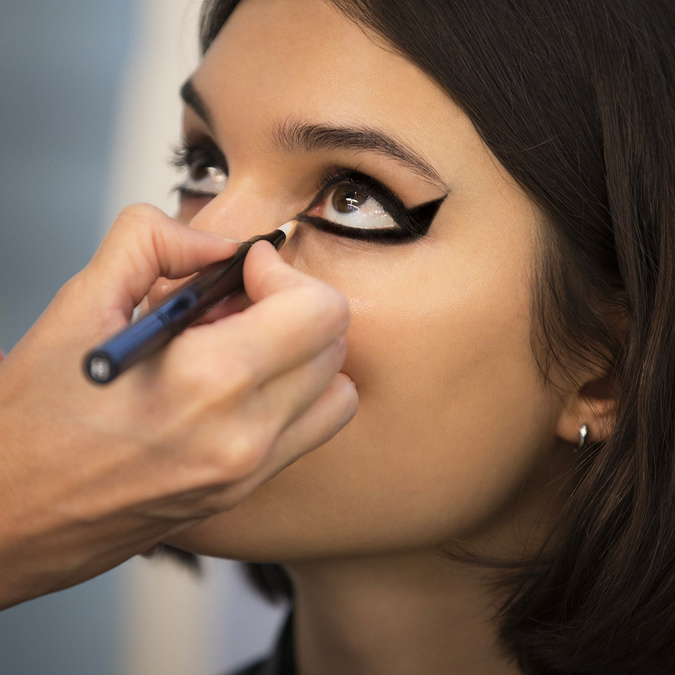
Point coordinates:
[(142, 245), (266, 274)]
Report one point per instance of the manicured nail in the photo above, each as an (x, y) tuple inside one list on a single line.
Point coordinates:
[(221, 237)]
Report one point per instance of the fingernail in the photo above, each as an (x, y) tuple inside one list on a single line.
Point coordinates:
[(221, 237), (349, 379)]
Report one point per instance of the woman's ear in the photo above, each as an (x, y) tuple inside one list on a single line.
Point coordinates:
[(592, 403)]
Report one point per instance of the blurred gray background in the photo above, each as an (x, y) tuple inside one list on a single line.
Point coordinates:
[(88, 112), (61, 65)]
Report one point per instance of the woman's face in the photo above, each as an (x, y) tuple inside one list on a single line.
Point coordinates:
[(455, 431)]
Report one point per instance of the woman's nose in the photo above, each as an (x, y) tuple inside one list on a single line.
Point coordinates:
[(243, 210)]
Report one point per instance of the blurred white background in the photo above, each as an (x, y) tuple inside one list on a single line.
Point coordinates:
[(88, 114)]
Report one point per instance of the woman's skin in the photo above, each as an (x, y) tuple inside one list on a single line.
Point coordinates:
[(457, 438)]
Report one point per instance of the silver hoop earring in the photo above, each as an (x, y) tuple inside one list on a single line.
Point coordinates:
[(583, 435)]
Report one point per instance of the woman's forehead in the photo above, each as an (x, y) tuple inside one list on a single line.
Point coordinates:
[(303, 60)]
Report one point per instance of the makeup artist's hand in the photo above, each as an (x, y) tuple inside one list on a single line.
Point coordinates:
[(90, 475)]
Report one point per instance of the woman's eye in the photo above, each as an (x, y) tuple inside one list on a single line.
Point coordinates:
[(205, 167), (204, 179), (351, 205)]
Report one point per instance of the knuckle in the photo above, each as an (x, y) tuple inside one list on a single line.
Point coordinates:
[(205, 373), (242, 454), (243, 371), (195, 377), (72, 287), (139, 213), (139, 223)]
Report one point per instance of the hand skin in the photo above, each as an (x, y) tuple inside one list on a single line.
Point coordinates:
[(90, 475)]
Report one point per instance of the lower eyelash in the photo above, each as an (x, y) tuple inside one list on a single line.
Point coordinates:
[(186, 193)]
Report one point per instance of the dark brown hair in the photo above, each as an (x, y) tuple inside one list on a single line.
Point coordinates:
[(576, 99)]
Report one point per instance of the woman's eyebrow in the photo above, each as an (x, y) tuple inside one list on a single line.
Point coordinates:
[(192, 98), (296, 136)]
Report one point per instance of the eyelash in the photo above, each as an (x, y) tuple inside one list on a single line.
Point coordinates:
[(186, 155), (410, 223)]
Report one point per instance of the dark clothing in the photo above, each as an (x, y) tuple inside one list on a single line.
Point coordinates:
[(282, 661)]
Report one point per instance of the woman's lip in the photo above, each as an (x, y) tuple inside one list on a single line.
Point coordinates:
[(233, 304)]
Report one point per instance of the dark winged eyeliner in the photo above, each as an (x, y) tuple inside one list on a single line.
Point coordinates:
[(392, 235), (411, 223)]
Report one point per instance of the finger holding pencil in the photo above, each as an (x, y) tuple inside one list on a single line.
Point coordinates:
[(177, 311)]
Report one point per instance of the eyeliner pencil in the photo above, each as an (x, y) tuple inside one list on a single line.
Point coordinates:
[(154, 329)]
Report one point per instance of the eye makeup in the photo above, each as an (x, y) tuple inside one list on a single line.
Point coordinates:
[(350, 191), (362, 207)]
